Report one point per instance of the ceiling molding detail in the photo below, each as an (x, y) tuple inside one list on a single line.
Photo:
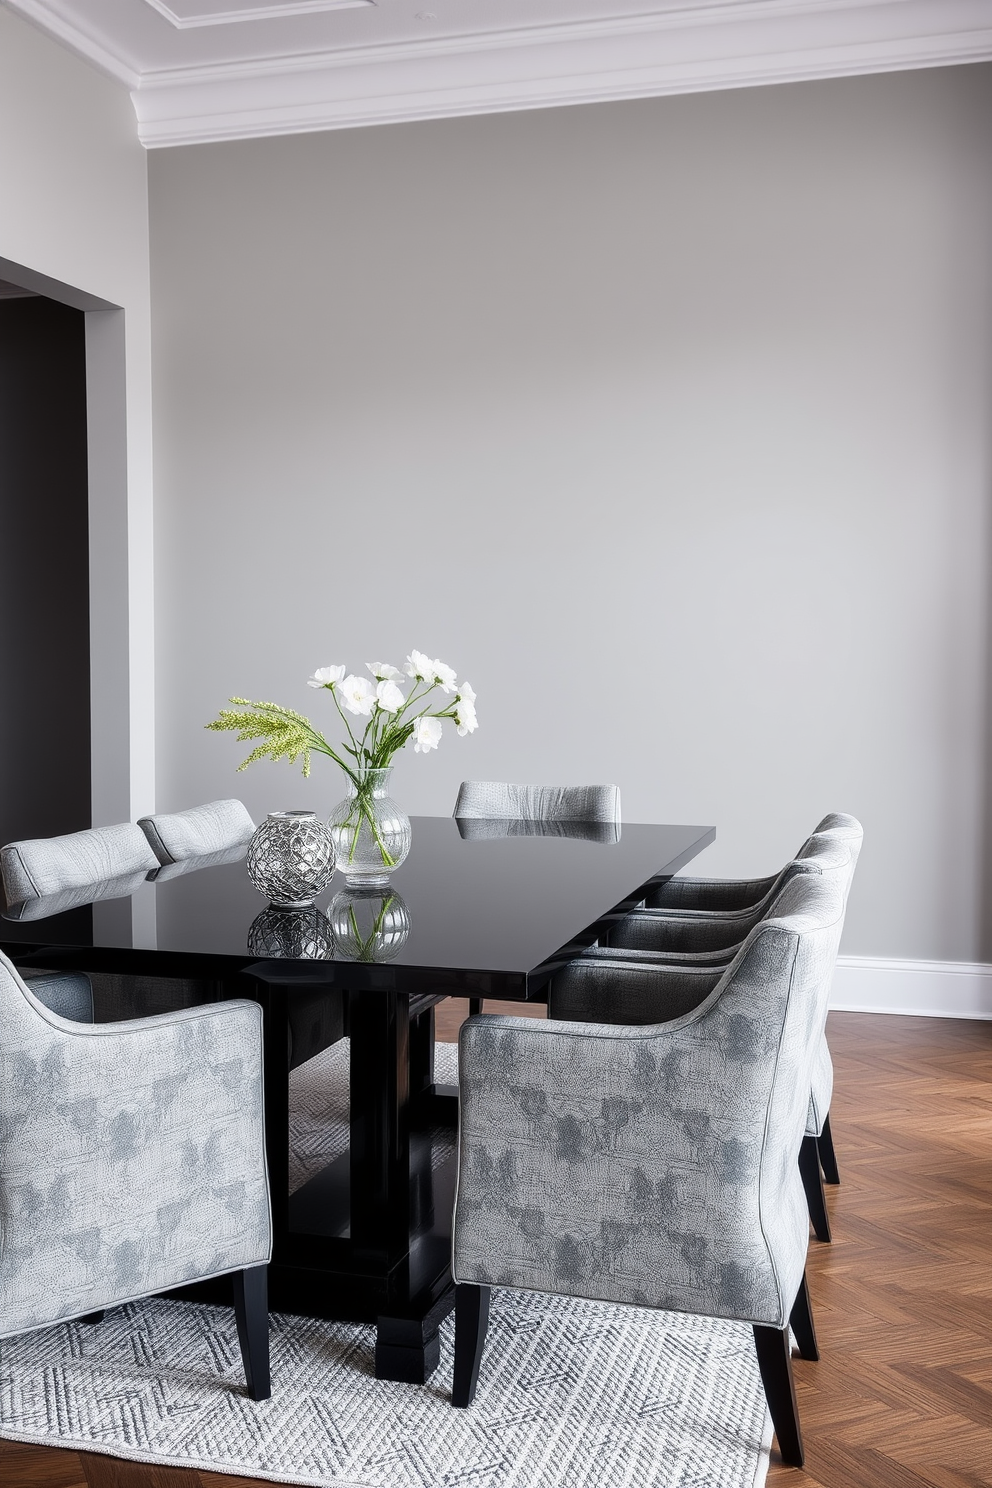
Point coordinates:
[(725, 46), (235, 14), (683, 46)]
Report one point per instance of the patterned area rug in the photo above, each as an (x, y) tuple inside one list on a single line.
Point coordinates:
[(318, 1109), (572, 1395)]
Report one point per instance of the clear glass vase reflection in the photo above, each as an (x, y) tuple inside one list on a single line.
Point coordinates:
[(291, 934), (368, 924)]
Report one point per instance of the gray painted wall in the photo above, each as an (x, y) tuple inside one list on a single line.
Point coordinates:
[(74, 209), (665, 422)]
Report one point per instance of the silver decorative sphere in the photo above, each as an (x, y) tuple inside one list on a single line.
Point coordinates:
[(291, 858)]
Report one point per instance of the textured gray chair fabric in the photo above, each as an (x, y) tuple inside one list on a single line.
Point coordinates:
[(132, 1157), (67, 993), (738, 895), (214, 827), (39, 866), (711, 939), (497, 799), (715, 937), (654, 1165)]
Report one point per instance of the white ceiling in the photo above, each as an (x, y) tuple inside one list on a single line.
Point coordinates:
[(222, 69)]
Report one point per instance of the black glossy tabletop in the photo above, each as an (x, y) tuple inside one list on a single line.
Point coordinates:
[(499, 905)]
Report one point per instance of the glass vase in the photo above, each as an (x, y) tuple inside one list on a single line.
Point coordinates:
[(371, 834)]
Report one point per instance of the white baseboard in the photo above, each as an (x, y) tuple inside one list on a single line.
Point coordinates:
[(924, 989)]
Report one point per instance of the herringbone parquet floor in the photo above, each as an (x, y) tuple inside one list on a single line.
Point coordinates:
[(902, 1395)]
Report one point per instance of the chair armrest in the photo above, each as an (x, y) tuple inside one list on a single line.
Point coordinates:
[(630, 1164), (719, 895), (670, 933), (606, 986), (133, 1155)]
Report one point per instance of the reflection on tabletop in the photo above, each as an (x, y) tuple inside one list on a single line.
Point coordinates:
[(44, 906), (479, 828), (361, 924), (54, 904)]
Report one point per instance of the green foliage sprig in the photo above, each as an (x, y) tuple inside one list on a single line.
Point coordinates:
[(286, 734)]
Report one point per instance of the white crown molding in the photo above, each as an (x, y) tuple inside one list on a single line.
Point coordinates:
[(46, 19), (680, 48), (923, 989), (635, 57), (258, 13)]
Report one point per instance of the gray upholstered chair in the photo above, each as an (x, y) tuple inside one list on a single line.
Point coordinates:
[(656, 1165), (45, 876), (48, 875), (39, 866), (577, 803), (708, 936), (67, 993), (730, 896), (200, 832), (133, 1160)]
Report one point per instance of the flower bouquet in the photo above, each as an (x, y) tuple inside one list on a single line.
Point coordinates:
[(371, 834)]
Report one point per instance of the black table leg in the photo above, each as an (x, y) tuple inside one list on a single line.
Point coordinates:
[(379, 1022)]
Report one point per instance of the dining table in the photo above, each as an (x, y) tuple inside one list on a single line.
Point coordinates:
[(479, 910)]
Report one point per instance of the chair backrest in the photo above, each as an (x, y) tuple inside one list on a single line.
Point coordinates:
[(839, 828), (836, 834), (499, 800), (211, 828), (39, 866)]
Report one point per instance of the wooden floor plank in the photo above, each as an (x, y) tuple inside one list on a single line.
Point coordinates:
[(116, 1472), (23, 1465), (902, 1396)]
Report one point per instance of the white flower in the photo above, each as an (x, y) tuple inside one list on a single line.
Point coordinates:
[(358, 695), (419, 666), (388, 696), (326, 676), (383, 672), (465, 711), (444, 676), (426, 734)]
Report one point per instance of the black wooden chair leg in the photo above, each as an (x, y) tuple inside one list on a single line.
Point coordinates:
[(809, 1167), (471, 1321), (801, 1322), (828, 1158), (251, 1311), (775, 1364), (474, 1006)]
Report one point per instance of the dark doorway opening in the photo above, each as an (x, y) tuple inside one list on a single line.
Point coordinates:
[(44, 569)]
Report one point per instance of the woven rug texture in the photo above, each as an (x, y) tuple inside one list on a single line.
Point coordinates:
[(572, 1393)]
